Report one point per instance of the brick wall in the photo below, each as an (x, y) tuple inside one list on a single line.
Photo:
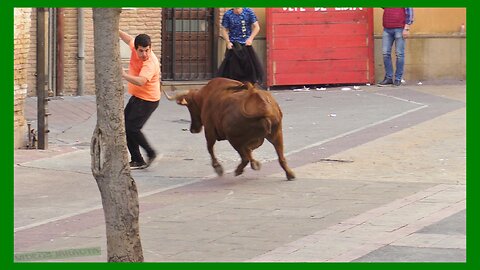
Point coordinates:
[(132, 21), (21, 48), (142, 21)]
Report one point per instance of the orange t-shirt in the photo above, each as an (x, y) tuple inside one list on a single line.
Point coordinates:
[(150, 70)]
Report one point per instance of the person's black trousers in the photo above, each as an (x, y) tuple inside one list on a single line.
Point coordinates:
[(241, 63), (137, 113)]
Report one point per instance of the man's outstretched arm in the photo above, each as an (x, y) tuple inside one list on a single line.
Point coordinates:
[(125, 37)]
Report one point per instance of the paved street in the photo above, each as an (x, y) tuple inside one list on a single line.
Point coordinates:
[(381, 177)]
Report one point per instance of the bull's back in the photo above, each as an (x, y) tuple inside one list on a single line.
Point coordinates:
[(251, 115), (233, 111)]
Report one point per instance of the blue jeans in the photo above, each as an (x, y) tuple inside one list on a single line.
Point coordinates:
[(391, 35)]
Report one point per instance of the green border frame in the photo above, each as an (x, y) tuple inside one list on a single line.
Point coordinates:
[(6, 235)]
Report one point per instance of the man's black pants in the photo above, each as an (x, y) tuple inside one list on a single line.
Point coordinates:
[(137, 113)]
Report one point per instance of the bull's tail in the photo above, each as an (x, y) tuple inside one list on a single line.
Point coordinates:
[(256, 106), (257, 103)]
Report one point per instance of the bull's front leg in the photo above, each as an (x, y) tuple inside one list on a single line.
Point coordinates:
[(216, 166)]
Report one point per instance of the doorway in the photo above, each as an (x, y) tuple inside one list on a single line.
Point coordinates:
[(188, 45)]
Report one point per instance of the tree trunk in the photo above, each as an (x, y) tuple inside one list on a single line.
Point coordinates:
[(108, 148)]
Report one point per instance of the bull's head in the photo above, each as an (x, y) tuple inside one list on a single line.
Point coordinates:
[(188, 99)]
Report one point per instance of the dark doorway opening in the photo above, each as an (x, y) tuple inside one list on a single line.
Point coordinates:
[(188, 45)]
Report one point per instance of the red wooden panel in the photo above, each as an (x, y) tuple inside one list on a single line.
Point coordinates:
[(323, 77), (342, 29), (284, 43), (293, 67), (319, 18), (321, 54), (319, 46), (311, 9)]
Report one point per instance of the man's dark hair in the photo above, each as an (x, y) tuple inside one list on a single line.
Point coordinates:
[(142, 40)]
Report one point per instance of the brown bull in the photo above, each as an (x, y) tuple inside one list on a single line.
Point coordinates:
[(239, 113)]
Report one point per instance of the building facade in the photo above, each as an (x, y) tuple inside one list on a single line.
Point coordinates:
[(187, 40), (22, 45)]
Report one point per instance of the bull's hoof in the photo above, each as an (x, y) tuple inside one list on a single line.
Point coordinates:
[(218, 170), (290, 176), (238, 172), (255, 165)]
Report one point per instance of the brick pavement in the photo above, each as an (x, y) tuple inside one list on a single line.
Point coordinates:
[(329, 214)]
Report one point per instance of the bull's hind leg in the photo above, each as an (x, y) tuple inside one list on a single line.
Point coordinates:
[(246, 154), (242, 151), (254, 164), (216, 166), (277, 140)]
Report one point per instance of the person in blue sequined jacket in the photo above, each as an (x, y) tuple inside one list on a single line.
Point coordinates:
[(239, 27)]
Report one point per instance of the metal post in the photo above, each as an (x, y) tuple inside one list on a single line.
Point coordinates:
[(29, 129), (52, 54), (60, 49), (50, 58), (189, 59), (174, 40), (41, 94), (214, 24), (81, 52)]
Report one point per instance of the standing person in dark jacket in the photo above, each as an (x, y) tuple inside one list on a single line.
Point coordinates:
[(396, 27), (239, 28)]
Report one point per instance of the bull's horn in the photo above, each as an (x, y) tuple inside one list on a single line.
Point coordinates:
[(183, 102), (167, 95), (176, 95)]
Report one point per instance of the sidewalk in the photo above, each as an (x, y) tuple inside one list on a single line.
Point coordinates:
[(380, 177)]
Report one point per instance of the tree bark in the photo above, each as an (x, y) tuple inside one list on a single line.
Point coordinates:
[(108, 148)]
